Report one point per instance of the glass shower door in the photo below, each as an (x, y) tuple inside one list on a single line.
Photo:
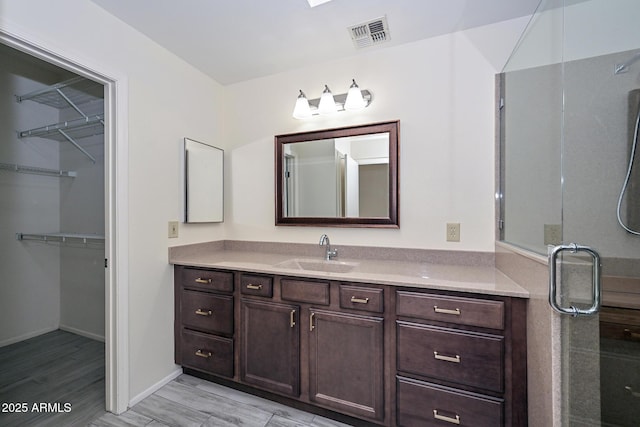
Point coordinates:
[(572, 90), (601, 81)]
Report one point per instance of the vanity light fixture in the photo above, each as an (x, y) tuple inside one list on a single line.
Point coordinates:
[(302, 109), (355, 99), (327, 104)]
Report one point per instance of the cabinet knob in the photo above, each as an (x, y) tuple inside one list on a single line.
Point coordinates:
[(205, 281), (311, 325), (451, 420), (201, 312), (292, 318), (360, 300), (254, 287)]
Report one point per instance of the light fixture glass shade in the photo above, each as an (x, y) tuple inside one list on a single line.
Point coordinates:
[(302, 109), (354, 101), (327, 103)]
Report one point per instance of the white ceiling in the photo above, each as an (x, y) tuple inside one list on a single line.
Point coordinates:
[(237, 40)]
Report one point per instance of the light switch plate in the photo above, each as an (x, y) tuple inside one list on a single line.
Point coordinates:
[(173, 229)]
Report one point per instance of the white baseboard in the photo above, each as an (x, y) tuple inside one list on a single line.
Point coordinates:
[(14, 340), (155, 387), (82, 333)]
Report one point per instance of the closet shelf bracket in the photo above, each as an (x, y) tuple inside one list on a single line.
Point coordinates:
[(37, 170), (61, 237), (75, 144)]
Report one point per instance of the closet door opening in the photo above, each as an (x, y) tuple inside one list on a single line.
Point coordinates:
[(52, 235)]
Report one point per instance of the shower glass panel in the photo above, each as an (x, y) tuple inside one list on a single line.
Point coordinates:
[(571, 94)]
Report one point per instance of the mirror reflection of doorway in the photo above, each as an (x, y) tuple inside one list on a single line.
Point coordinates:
[(289, 185)]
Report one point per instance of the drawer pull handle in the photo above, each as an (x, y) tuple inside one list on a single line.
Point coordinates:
[(292, 318), (630, 390), (311, 326), (205, 354), (205, 281), (455, 312), (360, 300), (446, 358), (629, 334), (254, 287), (201, 312), (437, 416)]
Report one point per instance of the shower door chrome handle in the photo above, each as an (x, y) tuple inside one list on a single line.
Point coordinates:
[(596, 288)]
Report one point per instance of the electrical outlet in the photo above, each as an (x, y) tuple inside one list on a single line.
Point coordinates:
[(552, 234), (173, 229), (453, 232)]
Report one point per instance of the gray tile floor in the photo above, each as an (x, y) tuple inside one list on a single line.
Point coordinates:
[(189, 401)]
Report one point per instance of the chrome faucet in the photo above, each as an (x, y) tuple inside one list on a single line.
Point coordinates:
[(324, 240)]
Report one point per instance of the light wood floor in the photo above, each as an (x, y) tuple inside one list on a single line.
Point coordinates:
[(190, 401), (60, 367)]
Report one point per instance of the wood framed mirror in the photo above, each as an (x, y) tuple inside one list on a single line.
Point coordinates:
[(341, 177)]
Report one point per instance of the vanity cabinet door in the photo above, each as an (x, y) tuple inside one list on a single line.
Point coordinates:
[(346, 363), (270, 350)]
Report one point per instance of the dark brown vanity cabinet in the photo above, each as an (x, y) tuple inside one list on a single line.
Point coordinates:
[(460, 360), (343, 358), (386, 355), (346, 371), (270, 351), (204, 320)]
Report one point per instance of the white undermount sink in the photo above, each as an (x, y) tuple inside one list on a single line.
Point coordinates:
[(331, 266)]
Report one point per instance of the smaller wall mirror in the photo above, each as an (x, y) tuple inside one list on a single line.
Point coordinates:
[(203, 182), (344, 177)]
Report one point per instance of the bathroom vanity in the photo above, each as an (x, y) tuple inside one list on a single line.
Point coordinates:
[(385, 342)]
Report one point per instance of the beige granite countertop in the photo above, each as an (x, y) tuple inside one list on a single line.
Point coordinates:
[(444, 270)]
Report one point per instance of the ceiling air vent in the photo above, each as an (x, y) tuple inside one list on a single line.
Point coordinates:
[(370, 33)]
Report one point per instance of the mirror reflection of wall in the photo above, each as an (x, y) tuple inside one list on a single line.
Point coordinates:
[(204, 171), (337, 177)]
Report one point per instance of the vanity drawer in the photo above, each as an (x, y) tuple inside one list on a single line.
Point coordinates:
[(463, 311), (457, 356), (361, 298), (207, 353), (207, 312), (207, 280), (422, 404), (305, 291), (256, 285)]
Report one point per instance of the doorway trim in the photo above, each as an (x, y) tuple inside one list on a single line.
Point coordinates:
[(116, 202)]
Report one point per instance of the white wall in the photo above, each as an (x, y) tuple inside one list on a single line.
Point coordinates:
[(167, 101), (559, 34), (441, 89)]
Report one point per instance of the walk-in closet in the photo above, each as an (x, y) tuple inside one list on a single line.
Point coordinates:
[(52, 252)]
